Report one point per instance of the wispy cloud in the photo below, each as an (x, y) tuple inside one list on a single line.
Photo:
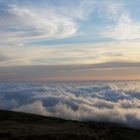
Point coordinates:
[(27, 22), (70, 54), (125, 28), (81, 32), (24, 21)]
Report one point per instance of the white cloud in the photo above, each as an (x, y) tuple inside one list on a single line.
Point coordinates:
[(124, 29), (119, 23), (114, 102), (35, 107), (22, 23), (33, 23)]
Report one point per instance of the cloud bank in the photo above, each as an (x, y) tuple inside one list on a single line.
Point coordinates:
[(117, 102)]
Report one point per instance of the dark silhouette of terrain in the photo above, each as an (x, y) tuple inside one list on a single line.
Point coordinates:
[(23, 126)]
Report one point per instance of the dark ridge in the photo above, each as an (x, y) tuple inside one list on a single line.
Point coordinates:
[(24, 126)]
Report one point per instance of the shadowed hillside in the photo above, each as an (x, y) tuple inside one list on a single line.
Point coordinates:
[(22, 126)]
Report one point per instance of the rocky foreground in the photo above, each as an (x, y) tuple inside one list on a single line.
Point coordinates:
[(23, 126)]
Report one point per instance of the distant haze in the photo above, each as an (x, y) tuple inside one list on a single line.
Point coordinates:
[(104, 71)]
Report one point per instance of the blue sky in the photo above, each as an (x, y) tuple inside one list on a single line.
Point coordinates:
[(76, 32)]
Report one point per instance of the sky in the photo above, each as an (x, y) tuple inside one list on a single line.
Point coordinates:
[(44, 40)]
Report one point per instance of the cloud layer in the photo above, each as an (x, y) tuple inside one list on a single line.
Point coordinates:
[(117, 102)]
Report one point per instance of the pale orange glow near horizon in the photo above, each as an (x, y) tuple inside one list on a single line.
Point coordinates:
[(69, 74)]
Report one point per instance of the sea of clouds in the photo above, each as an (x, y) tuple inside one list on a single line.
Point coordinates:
[(117, 102)]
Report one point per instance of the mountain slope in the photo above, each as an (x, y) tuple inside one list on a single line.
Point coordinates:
[(23, 126)]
